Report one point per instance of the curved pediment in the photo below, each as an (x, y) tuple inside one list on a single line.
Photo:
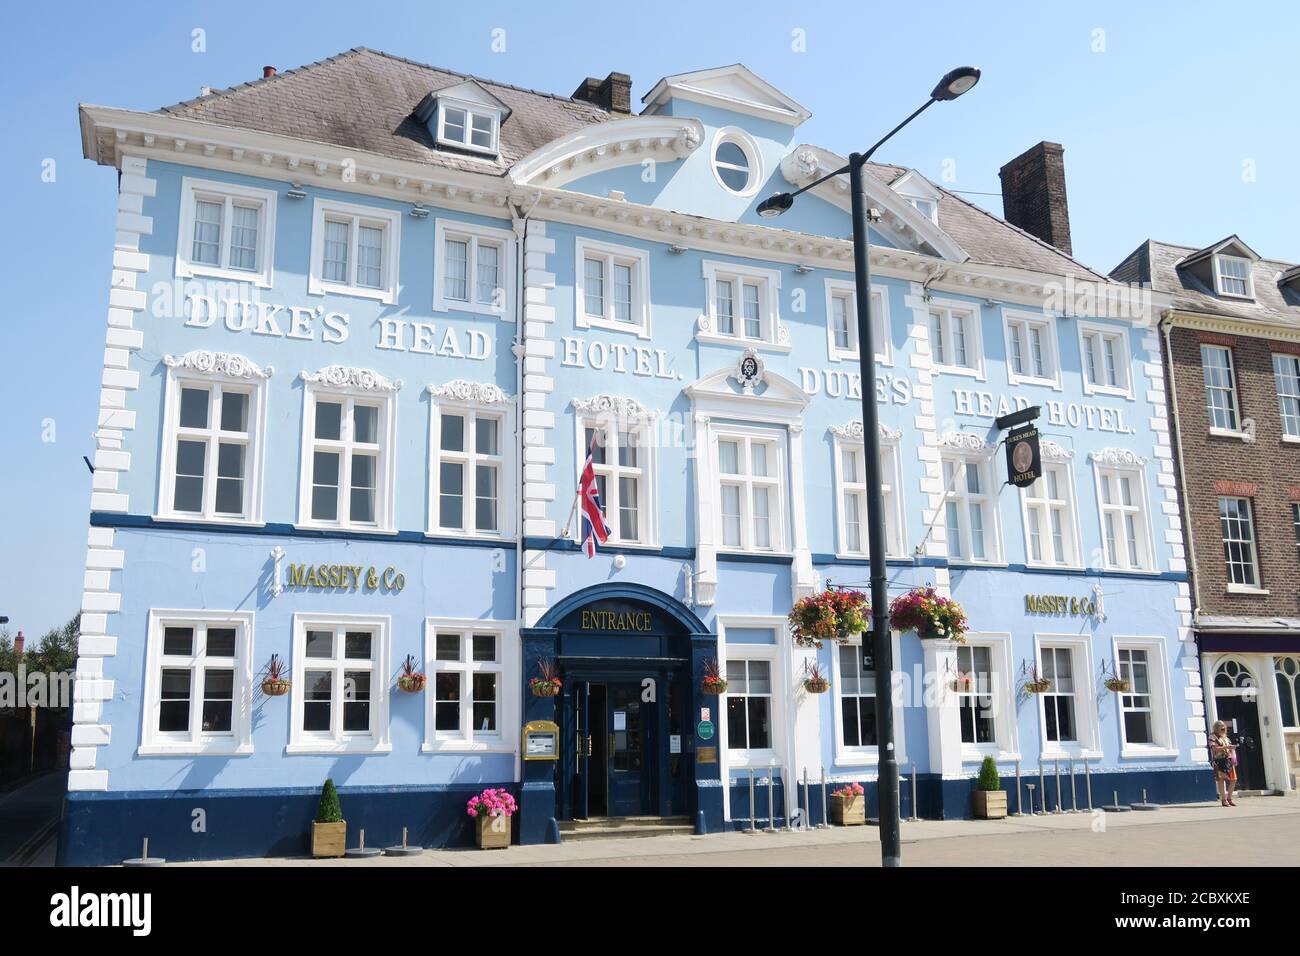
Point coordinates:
[(593, 149)]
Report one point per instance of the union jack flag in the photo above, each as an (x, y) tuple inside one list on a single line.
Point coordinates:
[(595, 530)]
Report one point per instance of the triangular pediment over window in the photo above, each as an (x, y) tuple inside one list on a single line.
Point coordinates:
[(747, 390)]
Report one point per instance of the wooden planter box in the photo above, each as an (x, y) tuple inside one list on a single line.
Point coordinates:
[(848, 811), (990, 804), (329, 839), (493, 832)]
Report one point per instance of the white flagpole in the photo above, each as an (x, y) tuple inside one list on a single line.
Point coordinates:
[(577, 489)]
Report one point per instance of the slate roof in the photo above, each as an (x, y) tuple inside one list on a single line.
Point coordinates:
[(991, 240), (365, 99), (1157, 263)]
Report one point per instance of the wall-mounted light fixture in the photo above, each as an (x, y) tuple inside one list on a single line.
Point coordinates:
[(419, 211), (802, 269), (296, 192), (676, 249)]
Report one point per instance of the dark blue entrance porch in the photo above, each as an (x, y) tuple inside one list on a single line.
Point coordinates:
[(632, 661)]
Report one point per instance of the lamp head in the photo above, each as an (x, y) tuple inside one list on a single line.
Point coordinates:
[(773, 206), (956, 82)]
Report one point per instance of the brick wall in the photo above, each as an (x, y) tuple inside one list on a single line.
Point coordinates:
[(1267, 471)]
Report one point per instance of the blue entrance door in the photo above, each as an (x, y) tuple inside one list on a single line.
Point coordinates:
[(629, 728)]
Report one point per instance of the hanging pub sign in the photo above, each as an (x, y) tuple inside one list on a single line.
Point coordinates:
[(1024, 457)]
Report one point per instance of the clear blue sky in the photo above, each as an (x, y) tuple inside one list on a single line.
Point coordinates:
[(1156, 129)]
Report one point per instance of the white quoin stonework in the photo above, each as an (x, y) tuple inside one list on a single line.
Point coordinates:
[(100, 602)]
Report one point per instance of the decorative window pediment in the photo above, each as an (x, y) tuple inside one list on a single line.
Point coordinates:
[(228, 364), (348, 377), (966, 442), (748, 390), (618, 407), (854, 432), (465, 392), (1117, 458)]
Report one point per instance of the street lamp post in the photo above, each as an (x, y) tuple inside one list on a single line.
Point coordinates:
[(953, 85)]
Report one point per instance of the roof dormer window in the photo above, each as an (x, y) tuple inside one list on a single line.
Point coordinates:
[(920, 194), (1232, 277), (465, 116), (468, 127)]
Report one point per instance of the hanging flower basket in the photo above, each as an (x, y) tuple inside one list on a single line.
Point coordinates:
[(544, 688), (832, 615), (1038, 685), (963, 683), (817, 685), (1118, 685), (931, 615), (713, 683), (411, 683), (548, 683), (410, 680), (275, 687), (274, 682)]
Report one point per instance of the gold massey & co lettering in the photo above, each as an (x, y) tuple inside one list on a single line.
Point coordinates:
[(1062, 604), (345, 577)]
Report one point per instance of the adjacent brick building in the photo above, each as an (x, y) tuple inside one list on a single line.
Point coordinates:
[(1231, 341)]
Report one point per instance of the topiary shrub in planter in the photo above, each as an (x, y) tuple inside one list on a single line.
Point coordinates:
[(990, 798), (329, 832)]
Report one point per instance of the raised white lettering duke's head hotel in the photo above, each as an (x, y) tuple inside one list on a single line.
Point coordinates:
[(457, 436)]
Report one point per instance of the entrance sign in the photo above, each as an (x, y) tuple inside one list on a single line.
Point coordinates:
[(1024, 457), (541, 740)]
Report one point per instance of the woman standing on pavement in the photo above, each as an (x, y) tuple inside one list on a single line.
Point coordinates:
[(1223, 755)]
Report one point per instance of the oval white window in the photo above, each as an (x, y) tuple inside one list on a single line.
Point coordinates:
[(731, 163)]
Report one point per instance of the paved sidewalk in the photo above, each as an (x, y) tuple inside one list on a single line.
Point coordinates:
[(1262, 831)]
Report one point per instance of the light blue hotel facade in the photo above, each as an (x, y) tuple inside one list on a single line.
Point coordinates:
[(347, 392)]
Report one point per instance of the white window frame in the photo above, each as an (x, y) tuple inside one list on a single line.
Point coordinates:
[(381, 685), (753, 157), (647, 440), (506, 666), (892, 487), (1220, 259), (974, 336), (638, 260), (1088, 743), (773, 335), (1232, 390), (989, 498), (471, 110), (1140, 510), (228, 194), (505, 460), (385, 467), (1006, 742), (388, 219), (776, 439), (1123, 360), (868, 756), (239, 741), (1016, 320), (253, 385), (1232, 586), (1069, 501), (474, 235), (1290, 419), (1162, 730), (846, 290)]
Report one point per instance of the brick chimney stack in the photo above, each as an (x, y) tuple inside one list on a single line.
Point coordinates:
[(268, 72), (19, 643), (1033, 194), (614, 92)]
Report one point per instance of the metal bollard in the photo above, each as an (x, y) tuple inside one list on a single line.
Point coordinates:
[(1087, 777), (1030, 788), (1020, 810), (826, 819), (915, 815), (752, 810), (771, 812), (1057, 767), (807, 804), (1074, 790), (1042, 789)]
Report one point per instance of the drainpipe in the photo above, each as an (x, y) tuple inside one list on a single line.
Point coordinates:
[(1165, 325), (521, 230)]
